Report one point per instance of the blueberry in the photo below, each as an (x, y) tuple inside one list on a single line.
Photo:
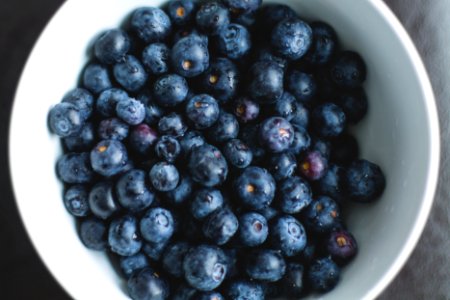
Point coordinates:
[(265, 265), (212, 17), (364, 181), (266, 81), (130, 73), (155, 58), (246, 109), (76, 201), (202, 110), (65, 119), (246, 19), (82, 99), (102, 200), (190, 56), (291, 38), (168, 148), (154, 250), (313, 165), (151, 24), (93, 233), (220, 226), (272, 14), (186, 31), (205, 267), (253, 229), (286, 106), (294, 194), (172, 124), (282, 165), (184, 292), (146, 285), (341, 245), (132, 264), (142, 139), (172, 261), (332, 183), (107, 101), (348, 71), (255, 187), (245, 290), (153, 112), (170, 90), (109, 157), (324, 44), (249, 134), (238, 153), (243, 6), (210, 296), (354, 104), (302, 140), (182, 192), (164, 176), (112, 129), (181, 12), (276, 134), (132, 191), (191, 140), (74, 168), (83, 141), (288, 235), (205, 202), (322, 215), (221, 80), (266, 54), (323, 275), (123, 236), (112, 46), (207, 166), (157, 225), (225, 129), (234, 41), (292, 282), (328, 120), (303, 86), (96, 78), (322, 146), (269, 213)]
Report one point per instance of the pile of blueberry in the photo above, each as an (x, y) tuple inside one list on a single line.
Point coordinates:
[(207, 151)]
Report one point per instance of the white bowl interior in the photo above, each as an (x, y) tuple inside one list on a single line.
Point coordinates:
[(400, 133)]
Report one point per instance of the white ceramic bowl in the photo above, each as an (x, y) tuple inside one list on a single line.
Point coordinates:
[(400, 133)]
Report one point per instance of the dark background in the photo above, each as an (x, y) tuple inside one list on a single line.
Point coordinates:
[(22, 274)]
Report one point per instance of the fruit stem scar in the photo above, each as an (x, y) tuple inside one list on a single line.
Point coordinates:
[(102, 149), (250, 188), (213, 79), (187, 64), (240, 109), (341, 241), (180, 11), (333, 213), (283, 132), (306, 166)]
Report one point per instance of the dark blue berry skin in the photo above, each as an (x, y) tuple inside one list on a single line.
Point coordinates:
[(354, 104), (189, 56), (220, 226), (292, 282), (255, 188), (184, 292), (186, 31), (272, 14), (132, 264), (109, 157), (364, 181), (249, 135), (288, 235), (234, 41), (112, 129), (276, 134), (154, 251), (225, 129), (76, 201), (170, 90), (205, 202), (212, 17), (245, 290), (291, 38), (142, 139), (322, 146), (303, 86), (123, 236), (172, 124), (172, 260), (301, 142), (168, 148), (132, 191), (107, 101), (210, 296), (221, 80), (112, 46), (324, 44), (155, 58), (83, 141), (269, 213), (102, 200), (207, 166), (342, 246), (74, 168), (238, 153), (82, 99), (202, 110), (313, 165), (332, 183), (253, 229), (164, 176), (322, 215), (348, 70), (130, 73), (266, 54), (246, 109), (282, 165), (191, 140), (157, 225), (153, 112), (181, 12), (265, 265), (65, 119), (247, 20), (93, 233), (265, 81), (96, 78), (146, 284), (294, 194), (151, 24), (328, 120), (246, 6), (285, 106), (205, 267), (182, 192), (323, 275)]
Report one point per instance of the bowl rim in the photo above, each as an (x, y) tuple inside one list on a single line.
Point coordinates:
[(434, 149)]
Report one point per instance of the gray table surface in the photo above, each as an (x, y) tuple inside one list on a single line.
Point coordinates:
[(426, 275)]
